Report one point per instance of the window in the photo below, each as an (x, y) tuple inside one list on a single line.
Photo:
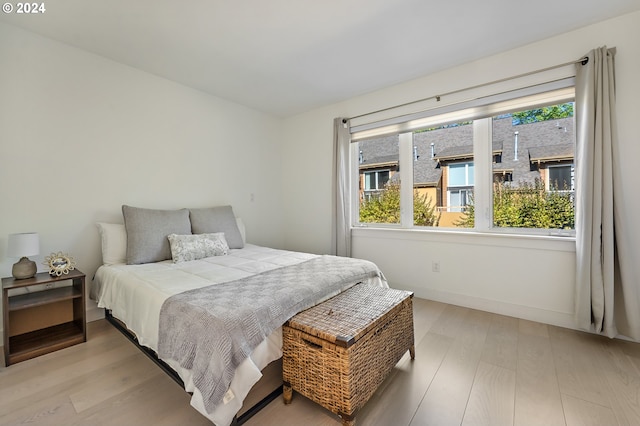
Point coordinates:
[(378, 195), (560, 178), (459, 199), (511, 158), (443, 173), (375, 181), (538, 144), (502, 176), (460, 186), (461, 174)]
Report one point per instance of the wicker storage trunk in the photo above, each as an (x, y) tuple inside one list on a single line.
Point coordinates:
[(338, 352)]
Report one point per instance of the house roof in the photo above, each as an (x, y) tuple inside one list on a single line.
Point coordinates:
[(540, 137), (463, 152), (551, 140), (379, 161), (551, 153), (426, 174), (454, 153)]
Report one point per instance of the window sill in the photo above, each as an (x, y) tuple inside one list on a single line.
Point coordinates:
[(453, 236)]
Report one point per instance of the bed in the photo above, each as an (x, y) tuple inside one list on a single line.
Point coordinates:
[(146, 278)]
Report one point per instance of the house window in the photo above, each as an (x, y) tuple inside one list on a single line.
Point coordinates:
[(509, 156), (459, 199), (375, 181), (502, 177), (460, 186), (461, 174), (560, 178)]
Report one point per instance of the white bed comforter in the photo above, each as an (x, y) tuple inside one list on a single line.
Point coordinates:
[(135, 294)]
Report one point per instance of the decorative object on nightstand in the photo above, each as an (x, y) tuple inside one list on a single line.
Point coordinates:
[(59, 264), (21, 246)]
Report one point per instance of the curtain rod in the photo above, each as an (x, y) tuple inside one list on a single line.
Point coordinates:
[(584, 60)]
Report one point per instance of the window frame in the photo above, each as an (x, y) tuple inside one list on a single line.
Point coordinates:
[(571, 166), (467, 187), (367, 194), (458, 189), (467, 165), (377, 175), (481, 112)]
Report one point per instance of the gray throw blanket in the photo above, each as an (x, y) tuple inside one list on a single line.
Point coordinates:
[(211, 330)]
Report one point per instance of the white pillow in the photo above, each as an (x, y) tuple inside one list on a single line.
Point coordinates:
[(197, 246), (114, 243)]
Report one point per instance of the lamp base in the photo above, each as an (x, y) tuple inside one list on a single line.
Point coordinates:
[(24, 268)]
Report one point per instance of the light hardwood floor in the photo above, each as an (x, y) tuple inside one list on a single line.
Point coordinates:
[(471, 368)]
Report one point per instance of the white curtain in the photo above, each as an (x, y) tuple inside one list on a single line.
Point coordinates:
[(606, 296), (341, 223)]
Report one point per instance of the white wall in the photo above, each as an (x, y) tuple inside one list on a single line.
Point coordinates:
[(81, 135), (520, 277)]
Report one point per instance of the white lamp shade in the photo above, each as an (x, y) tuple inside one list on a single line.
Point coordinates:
[(26, 244)]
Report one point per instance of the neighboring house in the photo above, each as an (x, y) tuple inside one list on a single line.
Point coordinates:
[(443, 161), (380, 165)]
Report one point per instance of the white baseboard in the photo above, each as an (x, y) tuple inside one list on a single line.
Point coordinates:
[(560, 319)]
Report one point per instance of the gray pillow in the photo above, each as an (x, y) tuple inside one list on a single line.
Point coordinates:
[(147, 232), (217, 219)]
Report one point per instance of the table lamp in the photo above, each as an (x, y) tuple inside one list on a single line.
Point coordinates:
[(21, 246)]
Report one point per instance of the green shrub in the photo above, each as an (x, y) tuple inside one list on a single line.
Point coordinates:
[(385, 207), (527, 205)]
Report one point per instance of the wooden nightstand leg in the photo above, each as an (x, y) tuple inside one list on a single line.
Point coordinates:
[(287, 393), (412, 352)]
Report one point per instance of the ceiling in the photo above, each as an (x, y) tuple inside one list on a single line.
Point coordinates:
[(289, 56)]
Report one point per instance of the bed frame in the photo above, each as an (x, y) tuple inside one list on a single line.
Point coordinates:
[(268, 388)]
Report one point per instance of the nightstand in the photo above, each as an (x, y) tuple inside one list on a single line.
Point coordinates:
[(45, 319)]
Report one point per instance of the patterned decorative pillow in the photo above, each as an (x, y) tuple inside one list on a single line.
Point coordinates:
[(193, 247)]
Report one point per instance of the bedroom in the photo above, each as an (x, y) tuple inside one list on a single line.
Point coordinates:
[(85, 134)]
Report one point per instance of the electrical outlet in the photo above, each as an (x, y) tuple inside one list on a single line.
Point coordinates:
[(48, 285), (435, 266)]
